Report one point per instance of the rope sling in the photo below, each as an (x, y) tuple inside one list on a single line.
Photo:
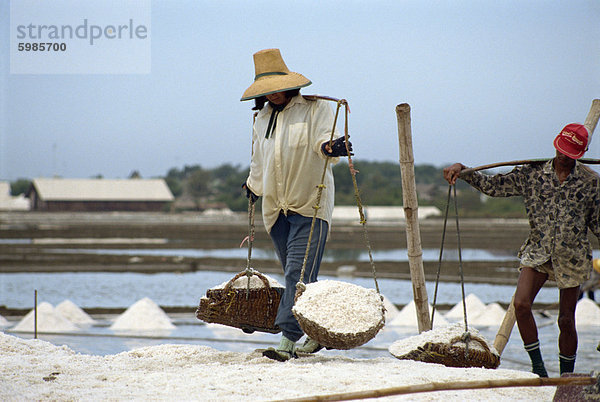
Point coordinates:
[(449, 353), (314, 326), (300, 286), (251, 228), (466, 337)]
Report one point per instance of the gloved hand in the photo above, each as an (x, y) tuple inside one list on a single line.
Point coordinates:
[(338, 147), (249, 194)]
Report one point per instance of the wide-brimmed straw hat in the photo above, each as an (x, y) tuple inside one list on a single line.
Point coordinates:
[(272, 75), (572, 140)]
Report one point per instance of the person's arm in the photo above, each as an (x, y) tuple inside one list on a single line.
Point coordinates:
[(322, 123), (499, 185), (594, 219), (254, 182)]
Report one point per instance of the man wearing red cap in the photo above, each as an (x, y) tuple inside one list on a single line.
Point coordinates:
[(562, 200)]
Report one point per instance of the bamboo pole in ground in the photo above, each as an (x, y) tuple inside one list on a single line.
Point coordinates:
[(413, 234), (455, 385), (506, 328)]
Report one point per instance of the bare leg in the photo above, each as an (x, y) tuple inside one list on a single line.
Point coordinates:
[(567, 339), (530, 283)]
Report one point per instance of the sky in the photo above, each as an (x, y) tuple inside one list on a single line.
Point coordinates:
[(487, 81)]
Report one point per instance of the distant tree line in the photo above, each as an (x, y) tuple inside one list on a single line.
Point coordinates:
[(379, 183)]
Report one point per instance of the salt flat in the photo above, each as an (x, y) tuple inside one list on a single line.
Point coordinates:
[(38, 370)]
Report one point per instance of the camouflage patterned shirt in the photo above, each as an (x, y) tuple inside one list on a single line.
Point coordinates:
[(559, 214)]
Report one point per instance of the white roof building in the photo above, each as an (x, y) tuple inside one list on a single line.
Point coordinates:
[(379, 214), (99, 194)]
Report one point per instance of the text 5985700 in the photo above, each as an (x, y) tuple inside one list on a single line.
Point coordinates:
[(42, 47)]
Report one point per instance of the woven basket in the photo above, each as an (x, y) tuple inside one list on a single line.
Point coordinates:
[(250, 310), (452, 355), (336, 340)]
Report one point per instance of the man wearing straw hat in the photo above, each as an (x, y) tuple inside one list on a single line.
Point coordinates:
[(562, 200), (291, 142)]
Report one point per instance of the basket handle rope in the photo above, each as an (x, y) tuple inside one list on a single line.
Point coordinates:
[(231, 294)]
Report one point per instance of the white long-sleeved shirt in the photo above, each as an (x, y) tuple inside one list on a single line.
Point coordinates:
[(286, 168)]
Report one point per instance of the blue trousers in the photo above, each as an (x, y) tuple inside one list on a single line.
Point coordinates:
[(290, 237)]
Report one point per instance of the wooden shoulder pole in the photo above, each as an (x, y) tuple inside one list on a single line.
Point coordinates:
[(592, 118), (413, 234)]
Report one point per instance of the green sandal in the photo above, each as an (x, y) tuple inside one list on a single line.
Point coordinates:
[(284, 352), (309, 346)]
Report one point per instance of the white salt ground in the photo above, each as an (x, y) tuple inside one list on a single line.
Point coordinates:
[(340, 307), (73, 313), (143, 315), (587, 313), (4, 322), (437, 335), (474, 307), (255, 282), (48, 320), (408, 317), (37, 370)]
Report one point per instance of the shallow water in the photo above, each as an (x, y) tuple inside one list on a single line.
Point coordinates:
[(333, 255), (103, 289), (171, 289)]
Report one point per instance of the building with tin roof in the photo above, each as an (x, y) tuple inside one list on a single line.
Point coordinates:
[(71, 195)]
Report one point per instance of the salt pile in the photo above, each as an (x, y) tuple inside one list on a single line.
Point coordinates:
[(74, 314), (143, 315), (255, 283), (391, 311), (408, 316), (474, 307), (48, 320), (340, 307), (441, 335), (587, 313), (491, 315), (4, 322)]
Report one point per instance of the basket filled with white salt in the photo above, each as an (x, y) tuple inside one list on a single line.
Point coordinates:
[(450, 345), (339, 315), (248, 301)]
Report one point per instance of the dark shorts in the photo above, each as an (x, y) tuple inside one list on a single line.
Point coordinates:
[(564, 278)]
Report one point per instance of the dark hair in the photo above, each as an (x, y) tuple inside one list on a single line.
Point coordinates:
[(259, 102)]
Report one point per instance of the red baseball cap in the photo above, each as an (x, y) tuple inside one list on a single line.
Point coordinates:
[(572, 140)]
